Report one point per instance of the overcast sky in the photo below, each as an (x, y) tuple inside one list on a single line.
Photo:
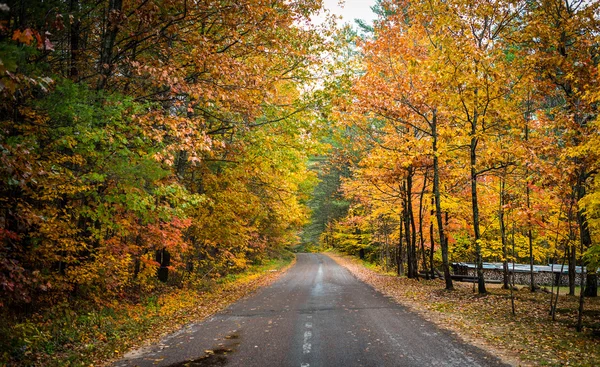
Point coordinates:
[(351, 9)]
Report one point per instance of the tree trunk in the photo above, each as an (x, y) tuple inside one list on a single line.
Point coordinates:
[(591, 285), (553, 304), (581, 302), (164, 259), (475, 207), (400, 268), (438, 205), (413, 271), (407, 236), (109, 37), (388, 257), (432, 247), (505, 279), (75, 29), (512, 274), (532, 286), (412, 241), (421, 237), (572, 256)]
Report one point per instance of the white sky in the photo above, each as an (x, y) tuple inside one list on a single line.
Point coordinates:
[(350, 10)]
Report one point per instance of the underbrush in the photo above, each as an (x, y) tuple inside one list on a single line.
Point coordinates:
[(77, 333)]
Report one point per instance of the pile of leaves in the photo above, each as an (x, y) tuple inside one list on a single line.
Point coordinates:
[(529, 337), (66, 336)]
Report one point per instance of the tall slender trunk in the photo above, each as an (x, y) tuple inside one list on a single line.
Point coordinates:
[(512, 274), (475, 207), (407, 234), (474, 121), (581, 302), (438, 205), (113, 20), (556, 277), (572, 255), (532, 286), (585, 240), (432, 249), (400, 269), (503, 235), (421, 237), (388, 257), (572, 252), (412, 241), (75, 29), (553, 304)]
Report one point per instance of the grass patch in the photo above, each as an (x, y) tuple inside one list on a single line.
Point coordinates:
[(563, 290), (376, 267), (79, 335)]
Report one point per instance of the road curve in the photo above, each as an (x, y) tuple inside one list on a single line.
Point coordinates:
[(317, 314)]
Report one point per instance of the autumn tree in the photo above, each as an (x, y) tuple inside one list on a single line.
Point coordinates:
[(563, 38), (145, 137)]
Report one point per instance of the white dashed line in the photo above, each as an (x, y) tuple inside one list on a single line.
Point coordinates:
[(307, 345)]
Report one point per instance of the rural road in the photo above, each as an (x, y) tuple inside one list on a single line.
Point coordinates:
[(316, 314)]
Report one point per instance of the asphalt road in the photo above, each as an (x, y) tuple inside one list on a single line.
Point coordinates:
[(317, 314)]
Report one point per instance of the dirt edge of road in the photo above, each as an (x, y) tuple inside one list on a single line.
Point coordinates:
[(440, 319)]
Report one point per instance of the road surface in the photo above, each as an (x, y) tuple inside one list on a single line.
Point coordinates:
[(316, 314)]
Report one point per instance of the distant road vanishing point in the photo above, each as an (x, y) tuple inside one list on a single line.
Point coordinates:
[(316, 315)]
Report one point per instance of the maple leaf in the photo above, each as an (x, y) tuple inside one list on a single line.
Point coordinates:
[(26, 36)]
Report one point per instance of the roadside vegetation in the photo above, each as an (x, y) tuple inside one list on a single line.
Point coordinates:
[(79, 334)]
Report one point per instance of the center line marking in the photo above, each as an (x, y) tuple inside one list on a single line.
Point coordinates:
[(307, 345)]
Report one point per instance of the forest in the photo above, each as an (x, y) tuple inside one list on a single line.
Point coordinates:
[(151, 145), (469, 132)]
